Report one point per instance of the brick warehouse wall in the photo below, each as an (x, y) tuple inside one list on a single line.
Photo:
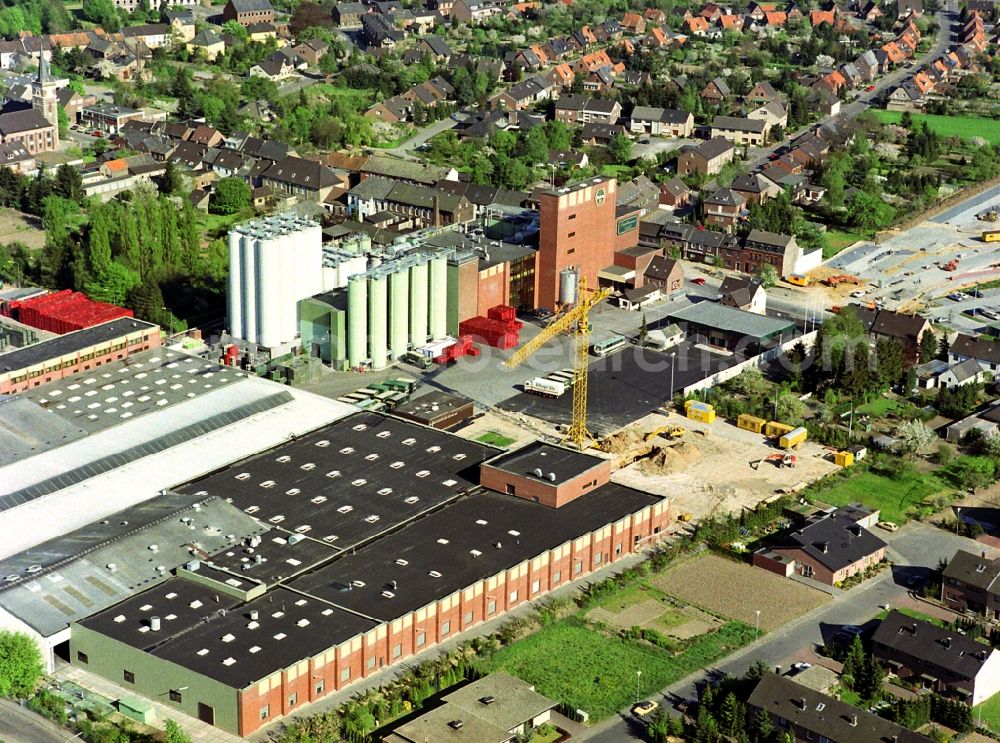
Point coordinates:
[(576, 230), (396, 641), (548, 494)]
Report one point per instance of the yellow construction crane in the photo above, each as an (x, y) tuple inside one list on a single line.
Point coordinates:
[(576, 321)]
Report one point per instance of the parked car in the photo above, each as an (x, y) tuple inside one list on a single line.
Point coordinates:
[(800, 667), (870, 89), (956, 297), (645, 708), (888, 525), (851, 629), (699, 281)]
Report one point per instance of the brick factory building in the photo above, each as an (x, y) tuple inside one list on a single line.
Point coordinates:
[(578, 226), (406, 548)]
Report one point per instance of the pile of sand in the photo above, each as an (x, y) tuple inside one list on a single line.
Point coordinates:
[(669, 459), (621, 442)]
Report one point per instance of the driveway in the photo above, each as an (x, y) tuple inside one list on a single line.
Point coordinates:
[(915, 550), (405, 149), (20, 725)]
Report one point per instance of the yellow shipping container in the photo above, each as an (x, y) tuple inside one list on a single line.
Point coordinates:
[(773, 428), (751, 423), (793, 438), (843, 459), (705, 416)]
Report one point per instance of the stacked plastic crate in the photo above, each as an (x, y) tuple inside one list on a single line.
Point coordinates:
[(500, 328)]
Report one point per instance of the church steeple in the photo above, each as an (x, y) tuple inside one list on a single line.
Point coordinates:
[(45, 97)]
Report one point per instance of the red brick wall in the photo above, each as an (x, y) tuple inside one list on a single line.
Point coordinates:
[(9, 387), (548, 494), (646, 529), (494, 288), (575, 231)]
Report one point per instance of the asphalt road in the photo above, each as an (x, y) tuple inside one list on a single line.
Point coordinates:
[(405, 149), (915, 549), (19, 725)]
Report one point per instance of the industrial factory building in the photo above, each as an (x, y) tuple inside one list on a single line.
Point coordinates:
[(379, 543)]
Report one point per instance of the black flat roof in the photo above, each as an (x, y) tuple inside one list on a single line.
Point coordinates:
[(273, 556), (564, 464), (212, 634), (458, 545), (71, 342), (352, 480)]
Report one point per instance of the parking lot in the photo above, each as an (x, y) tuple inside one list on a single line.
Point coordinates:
[(905, 272)]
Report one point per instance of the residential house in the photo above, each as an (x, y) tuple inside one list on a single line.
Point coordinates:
[(275, 67), (248, 12), (475, 11), (772, 114), (406, 171), (808, 716), (207, 43), (724, 208), (379, 31), (743, 293), (985, 352), (909, 9), (665, 273), (391, 110), (107, 118), (348, 15), (755, 187), (436, 48), (634, 24), (16, 156), (575, 109), (312, 51), (305, 179), (761, 94), (674, 193), (971, 583), (706, 158), (598, 134), (888, 324), (937, 658), (423, 206), (741, 131), (715, 92), (761, 247), (524, 94), (829, 549), (667, 122)]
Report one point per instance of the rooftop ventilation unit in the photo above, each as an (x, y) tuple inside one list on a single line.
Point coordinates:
[(154, 624), (192, 566), (456, 724), (537, 472), (295, 538), (552, 477), (388, 595)]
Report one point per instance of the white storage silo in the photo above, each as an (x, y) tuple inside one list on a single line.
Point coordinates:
[(438, 296), (234, 298), (399, 310), (378, 320), (357, 320), (270, 292), (249, 272), (418, 304)]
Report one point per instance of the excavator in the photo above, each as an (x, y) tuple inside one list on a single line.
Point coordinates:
[(784, 459)]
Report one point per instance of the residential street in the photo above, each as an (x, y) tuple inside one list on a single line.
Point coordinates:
[(405, 149), (915, 550), (19, 725)]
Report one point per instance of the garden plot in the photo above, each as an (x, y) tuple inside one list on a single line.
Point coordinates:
[(646, 607), (737, 590)]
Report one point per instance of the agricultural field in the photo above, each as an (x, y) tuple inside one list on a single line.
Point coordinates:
[(894, 497), (736, 590), (965, 127), (589, 670), (16, 227), (642, 605)]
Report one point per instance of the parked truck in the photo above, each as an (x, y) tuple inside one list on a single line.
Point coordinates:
[(545, 387)]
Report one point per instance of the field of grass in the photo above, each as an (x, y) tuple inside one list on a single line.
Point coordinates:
[(330, 92), (615, 171), (878, 408), (911, 613), (492, 438), (571, 662), (837, 240), (965, 127), (893, 497)]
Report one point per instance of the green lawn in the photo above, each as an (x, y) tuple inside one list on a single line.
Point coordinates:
[(492, 438), (837, 240), (572, 663), (615, 171), (965, 127), (553, 735), (911, 613), (879, 407), (989, 713), (892, 497), (359, 97)]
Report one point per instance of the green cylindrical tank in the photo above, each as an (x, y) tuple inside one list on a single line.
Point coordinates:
[(399, 310), (418, 304), (378, 320), (438, 296), (357, 320)]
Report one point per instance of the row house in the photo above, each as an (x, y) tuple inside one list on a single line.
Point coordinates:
[(575, 109), (741, 131), (666, 122)]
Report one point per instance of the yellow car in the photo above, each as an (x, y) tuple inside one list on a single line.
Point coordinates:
[(645, 708)]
